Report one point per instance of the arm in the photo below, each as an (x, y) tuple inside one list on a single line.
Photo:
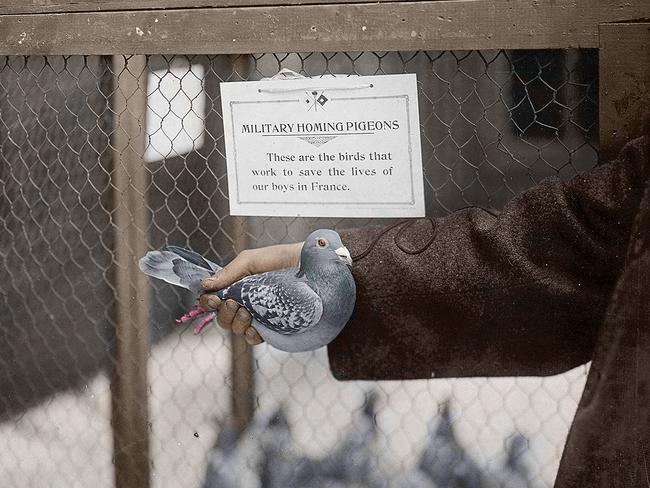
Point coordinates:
[(521, 293)]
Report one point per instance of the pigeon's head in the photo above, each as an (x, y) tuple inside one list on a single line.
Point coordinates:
[(325, 245)]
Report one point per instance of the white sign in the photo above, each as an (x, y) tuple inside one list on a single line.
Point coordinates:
[(324, 147)]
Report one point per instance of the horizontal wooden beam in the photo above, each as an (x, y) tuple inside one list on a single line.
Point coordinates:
[(393, 26), (58, 6)]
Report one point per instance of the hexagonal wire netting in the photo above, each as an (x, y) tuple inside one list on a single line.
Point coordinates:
[(492, 122)]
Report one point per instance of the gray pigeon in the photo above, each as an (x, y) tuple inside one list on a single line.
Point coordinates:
[(516, 472), (294, 309), (232, 462), (221, 471), (445, 461), (276, 469), (351, 464)]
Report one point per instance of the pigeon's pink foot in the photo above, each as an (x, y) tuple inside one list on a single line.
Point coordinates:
[(191, 315), (204, 322)]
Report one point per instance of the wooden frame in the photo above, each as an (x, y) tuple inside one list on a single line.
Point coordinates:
[(129, 418), (624, 77), (122, 27), (57, 6), (383, 26)]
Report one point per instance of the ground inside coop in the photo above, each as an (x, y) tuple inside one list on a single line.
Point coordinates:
[(68, 439)]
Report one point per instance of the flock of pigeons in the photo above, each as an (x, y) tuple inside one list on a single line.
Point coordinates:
[(264, 457)]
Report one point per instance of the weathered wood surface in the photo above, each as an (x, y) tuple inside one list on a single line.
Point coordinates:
[(451, 24), (624, 77), (129, 381), (242, 359), (54, 6)]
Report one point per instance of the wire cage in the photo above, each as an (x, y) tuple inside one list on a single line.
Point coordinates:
[(493, 123)]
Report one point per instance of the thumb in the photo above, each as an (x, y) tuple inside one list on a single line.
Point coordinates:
[(234, 271)]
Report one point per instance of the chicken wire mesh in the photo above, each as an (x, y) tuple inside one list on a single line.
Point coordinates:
[(493, 123)]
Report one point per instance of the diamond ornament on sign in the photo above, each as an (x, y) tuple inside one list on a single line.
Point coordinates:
[(318, 100)]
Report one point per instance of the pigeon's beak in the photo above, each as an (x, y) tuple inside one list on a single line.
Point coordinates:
[(344, 255)]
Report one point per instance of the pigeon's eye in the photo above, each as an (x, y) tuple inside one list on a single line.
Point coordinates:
[(321, 242)]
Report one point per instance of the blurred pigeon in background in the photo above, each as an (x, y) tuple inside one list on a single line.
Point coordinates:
[(221, 471), (232, 460), (260, 457), (516, 472), (351, 463), (278, 461), (294, 309), (264, 456), (444, 459)]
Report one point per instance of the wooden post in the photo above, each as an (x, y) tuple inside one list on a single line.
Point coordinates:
[(242, 359), (129, 383), (243, 383), (624, 65)]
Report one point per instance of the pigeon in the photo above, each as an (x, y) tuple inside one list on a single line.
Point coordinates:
[(232, 462), (353, 460), (445, 461), (293, 309), (276, 469), (351, 463), (221, 471), (516, 472)]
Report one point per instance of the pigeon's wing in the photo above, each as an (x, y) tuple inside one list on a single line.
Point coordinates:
[(278, 300), (194, 258)]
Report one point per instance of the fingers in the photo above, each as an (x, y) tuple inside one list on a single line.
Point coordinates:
[(252, 261), (233, 271), (252, 337), (232, 317), (210, 302), (241, 321), (227, 314)]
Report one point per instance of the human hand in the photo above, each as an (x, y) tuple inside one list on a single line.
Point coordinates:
[(231, 316)]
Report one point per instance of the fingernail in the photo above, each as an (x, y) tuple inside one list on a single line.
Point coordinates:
[(206, 283), (250, 336), (214, 302), (232, 305)]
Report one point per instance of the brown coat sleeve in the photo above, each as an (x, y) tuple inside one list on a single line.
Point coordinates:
[(473, 294)]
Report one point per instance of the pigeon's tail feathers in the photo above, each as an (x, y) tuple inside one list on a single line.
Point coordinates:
[(194, 258), (175, 269)]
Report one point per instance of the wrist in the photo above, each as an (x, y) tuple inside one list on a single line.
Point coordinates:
[(293, 254)]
